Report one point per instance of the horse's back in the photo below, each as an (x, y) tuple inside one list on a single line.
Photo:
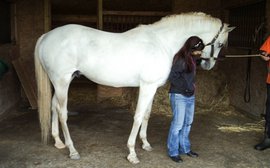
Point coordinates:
[(66, 45), (116, 59)]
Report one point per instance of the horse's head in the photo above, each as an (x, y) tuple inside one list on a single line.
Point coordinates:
[(212, 49)]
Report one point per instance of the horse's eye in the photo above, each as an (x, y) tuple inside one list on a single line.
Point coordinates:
[(220, 45)]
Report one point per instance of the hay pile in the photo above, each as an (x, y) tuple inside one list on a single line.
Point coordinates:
[(211, 89), (118, 101), (161, 103), (253, 127), (82, 95)]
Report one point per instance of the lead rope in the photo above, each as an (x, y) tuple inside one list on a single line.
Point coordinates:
[(247, 87)]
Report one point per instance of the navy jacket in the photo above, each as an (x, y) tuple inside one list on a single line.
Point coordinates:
[(182, 82)]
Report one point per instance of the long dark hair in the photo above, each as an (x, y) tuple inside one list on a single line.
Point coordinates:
[(193, 43)]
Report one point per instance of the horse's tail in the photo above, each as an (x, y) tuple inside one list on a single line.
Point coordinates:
[(44, 95)]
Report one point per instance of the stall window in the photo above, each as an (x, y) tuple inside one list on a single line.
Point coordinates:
[(250, 22)]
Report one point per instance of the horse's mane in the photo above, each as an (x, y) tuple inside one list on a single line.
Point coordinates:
[(188, 20)]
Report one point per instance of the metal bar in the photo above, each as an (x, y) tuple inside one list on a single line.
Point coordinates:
[(242, 56)]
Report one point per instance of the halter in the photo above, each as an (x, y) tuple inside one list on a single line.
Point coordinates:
[(214, 40)]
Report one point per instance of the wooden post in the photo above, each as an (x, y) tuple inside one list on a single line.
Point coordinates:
[(100, 15), (267, 14), (13, 20), (47, 15)]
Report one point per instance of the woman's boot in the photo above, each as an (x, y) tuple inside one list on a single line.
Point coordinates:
[(264, 144)]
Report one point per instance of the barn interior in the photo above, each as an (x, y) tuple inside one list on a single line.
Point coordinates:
[(230, 98)]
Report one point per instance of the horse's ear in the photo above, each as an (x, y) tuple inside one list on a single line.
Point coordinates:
[(229, 29)]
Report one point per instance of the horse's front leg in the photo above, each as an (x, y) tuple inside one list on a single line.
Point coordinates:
[(146, 96), (143, 132)]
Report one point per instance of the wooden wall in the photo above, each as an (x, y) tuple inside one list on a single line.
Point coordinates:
[(27, 20), (209, 6), (9, 84), (29, 25), (236, 71)]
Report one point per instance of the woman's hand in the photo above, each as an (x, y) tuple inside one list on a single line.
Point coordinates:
[(197, 53), (265, 56)]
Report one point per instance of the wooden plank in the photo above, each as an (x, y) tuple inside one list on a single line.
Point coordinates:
[(47, 15), (136, 13), (100, 14), (74, 18), (14, 26), (28, 83)]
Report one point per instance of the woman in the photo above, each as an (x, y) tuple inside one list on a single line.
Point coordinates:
[(265, 55), (182, 78)]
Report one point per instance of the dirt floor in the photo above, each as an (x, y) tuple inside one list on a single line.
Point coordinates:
[(223, 137)]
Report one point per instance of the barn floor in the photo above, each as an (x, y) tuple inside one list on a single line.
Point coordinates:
[(223, 137)]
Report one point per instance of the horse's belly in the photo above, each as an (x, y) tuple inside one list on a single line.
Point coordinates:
[(114, 78)]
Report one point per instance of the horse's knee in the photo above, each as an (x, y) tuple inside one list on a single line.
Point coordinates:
[(138, 119), (130, 144), (146, 117), (62, 102), (63, 119), (55, 133), (62, 111)]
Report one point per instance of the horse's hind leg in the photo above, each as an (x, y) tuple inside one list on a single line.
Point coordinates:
[(143, 132), (55, 124), (61, 92), (146, 96)]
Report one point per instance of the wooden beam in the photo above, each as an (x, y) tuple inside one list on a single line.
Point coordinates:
[(100, 15), (75, 18), (136, 13), (47, 15), (13, 21)]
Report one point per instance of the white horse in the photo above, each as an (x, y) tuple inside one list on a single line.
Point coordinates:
[(141, 57)]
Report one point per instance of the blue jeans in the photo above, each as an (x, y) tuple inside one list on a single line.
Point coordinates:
[(183, 113)]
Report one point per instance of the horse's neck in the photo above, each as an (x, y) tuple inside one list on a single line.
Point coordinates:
[(173, 37)]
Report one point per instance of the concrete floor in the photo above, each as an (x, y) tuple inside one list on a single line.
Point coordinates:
[(223, 137)]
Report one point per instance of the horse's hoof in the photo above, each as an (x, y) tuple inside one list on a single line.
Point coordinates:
[(147, 148), (133, 159), (59, 145), (75, 156)]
